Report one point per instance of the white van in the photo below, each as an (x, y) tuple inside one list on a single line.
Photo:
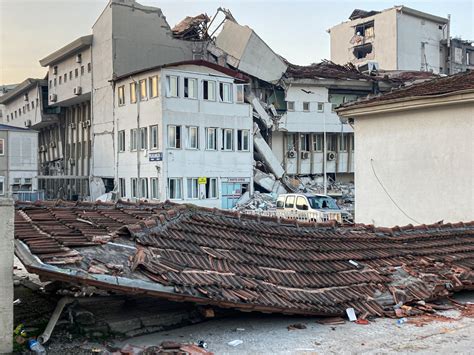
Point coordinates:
[(310, 207)]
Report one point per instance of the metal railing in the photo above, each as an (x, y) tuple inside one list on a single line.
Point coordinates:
[(31, 196)]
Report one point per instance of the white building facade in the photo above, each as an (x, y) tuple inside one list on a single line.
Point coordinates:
[(184, 134)]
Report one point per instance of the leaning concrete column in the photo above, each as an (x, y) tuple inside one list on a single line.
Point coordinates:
[(6, 275)]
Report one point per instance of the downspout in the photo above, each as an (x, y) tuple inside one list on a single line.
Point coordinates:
[(91, 130), (63, 302)]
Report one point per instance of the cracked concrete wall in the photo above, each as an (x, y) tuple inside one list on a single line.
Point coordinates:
[(6, 276)]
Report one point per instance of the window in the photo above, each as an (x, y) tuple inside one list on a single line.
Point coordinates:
[(2, 147), (240, 93), (209, 90), (318, 142), (82, 70), (60, 80), (304, 142), (211, 188), (227, 139), (193, 137), (79, 58), (50, 84), (175, 186), (190, 88), (243, 140), (143, 93), (32, 104), (301, 203), (362, 51), (174, 137), (153, 86), (143, 138), (89, 67), (333, 107), (76, 73), (225, 92), (192, 188), (65, 78), (290, 202), (54, 82), (290, 105), (121, 95), (320, 106), (121, 141), (172, 86), (133, 139), (211, 138), (143, 186), (153, 137), (306, 106), (70, 75), (2, 185), (122, 189), (332, 142), (133, 93), (134, 184), (343, 142), (154, 188)]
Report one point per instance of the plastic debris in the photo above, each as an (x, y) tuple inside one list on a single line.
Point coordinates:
[(362, 321), (235, 342), (401, 321), (36, 347), (202, 344), (351, 314)]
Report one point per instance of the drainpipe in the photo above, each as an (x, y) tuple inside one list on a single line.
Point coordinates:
[(63, 302)]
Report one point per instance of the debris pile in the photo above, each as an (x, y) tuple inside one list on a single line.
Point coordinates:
[(258, 202)]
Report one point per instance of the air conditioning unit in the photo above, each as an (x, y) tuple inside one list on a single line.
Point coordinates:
[(86, 123), (52, 145), (79, 58), (304, 155), (55, 70), (42, 149), (28, 123), (72, 161), (25, 97), (77, 90), (332, 156), (53, 97), (72, 125), (291, 154)]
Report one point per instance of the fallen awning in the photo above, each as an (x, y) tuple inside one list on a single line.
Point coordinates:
[(245, 262)]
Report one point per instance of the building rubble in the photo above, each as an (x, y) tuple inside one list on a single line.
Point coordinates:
[(225, 259)]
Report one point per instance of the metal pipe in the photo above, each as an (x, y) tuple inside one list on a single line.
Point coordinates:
[(63, 302)]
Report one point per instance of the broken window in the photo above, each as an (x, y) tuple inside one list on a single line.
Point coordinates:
[(306, 106), (190, 88), (175, 187), (290, 105), (143, 93), (121, 141), (174, 137), (211, 138), (209, 90), (304, 142), (193, 137), (362, 51), (133, 93), (153, 82), (365, 29), (227, 139), (243, 140), (240, 93), (154, 188), (172, 86), (225, 92), (154, 137), (121, 95)]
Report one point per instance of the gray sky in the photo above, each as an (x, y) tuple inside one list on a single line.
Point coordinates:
[(295, 29)]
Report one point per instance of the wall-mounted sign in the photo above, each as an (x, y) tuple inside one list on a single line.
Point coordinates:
[(236, 179), (202, 180), (155, 156)]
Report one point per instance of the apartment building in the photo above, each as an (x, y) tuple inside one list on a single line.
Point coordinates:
[(399, 38), (183, 134), (18, 162)]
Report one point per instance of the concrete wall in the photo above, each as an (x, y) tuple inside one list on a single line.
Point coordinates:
[(424, 158), (4, 162), (384, 41), (183, 162), (6, 276), (30, 110), (412, 32), (23, 156)]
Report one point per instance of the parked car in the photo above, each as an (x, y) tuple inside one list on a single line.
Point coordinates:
[(316, 207)]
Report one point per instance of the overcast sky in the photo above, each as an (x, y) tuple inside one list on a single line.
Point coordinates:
[(32, 29)]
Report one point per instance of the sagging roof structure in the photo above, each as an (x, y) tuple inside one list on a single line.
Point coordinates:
[(21, 89), (249, 263)]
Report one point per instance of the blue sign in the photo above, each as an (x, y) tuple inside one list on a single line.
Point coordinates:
[(155, 156)]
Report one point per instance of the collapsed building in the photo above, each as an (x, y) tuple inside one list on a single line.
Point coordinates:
[(226, 259)]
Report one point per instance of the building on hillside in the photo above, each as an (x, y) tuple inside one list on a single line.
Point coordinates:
[(184, 133), (414, 153), (19, 163), (399, 38)]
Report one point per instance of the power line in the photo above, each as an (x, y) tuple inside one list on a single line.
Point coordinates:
[(390, 197)]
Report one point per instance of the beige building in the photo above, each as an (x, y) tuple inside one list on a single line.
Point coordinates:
[(399, 38), (414, 153)]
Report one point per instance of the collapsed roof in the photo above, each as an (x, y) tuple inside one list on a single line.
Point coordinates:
[(325, 69), (192, 28), (358, 13), (232, 260)]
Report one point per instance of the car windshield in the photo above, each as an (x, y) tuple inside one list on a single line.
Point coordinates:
[(322, 202)]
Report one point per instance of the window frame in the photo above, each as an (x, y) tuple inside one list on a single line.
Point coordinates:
[(133, 92), (133, 139), (121, 141), (207, 130), (290, 204), (154, 137), (122, 188), (178, 142), (153, 86), (143, 90), (240, 90), (225, 137), (320, 107), (188, 137), (143, 138), (318, 142), (121, 95), (168, 85), (306, 106), (2, 185), (154, 187), (187, 80), (240, 145), (292, 104), (192, 188), (208, 188), (2, 146), (222, 85), (134, 187), (143, 187), (206, 90), (176, 179)]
